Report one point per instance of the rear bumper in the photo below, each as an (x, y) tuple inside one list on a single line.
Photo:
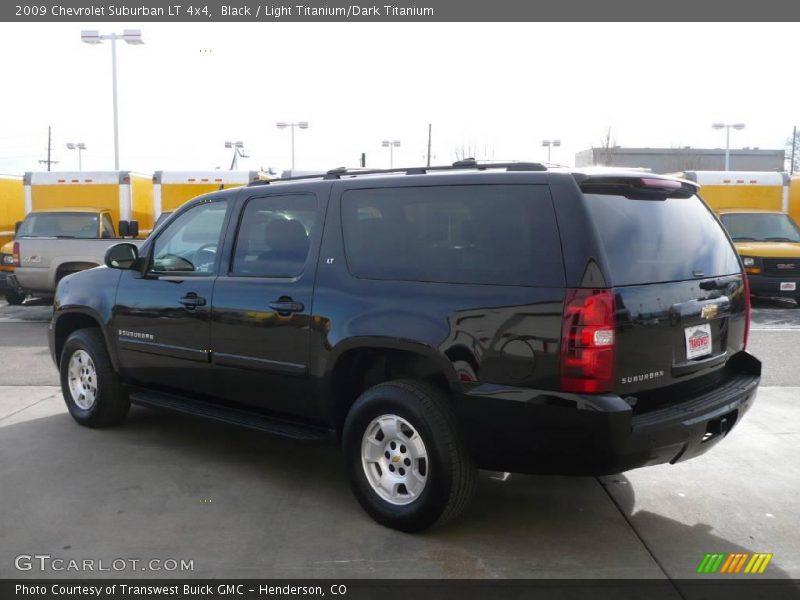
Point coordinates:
[(538, 432), (770, 285)]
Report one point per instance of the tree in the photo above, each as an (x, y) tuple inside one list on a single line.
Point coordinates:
[(605, 151), (472, 151), (793, 141)]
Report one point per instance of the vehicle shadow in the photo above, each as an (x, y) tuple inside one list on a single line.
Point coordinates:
[(242, 504), (776, 303)]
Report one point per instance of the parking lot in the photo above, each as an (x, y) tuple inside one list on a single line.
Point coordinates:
[(241, 504)]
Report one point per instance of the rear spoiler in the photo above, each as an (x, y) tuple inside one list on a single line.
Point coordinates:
[(637, 187)]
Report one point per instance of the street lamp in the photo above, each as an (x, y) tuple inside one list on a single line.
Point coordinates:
[(238, 151), (727, 127), (550, 144), (80, 147), (391, 145), (130, 36), (284, 125)]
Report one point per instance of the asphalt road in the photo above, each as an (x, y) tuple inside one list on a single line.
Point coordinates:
[(241, 504)]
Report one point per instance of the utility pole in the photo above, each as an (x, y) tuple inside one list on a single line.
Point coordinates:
[(363, 159), (49, 162), (794, 144), (429, 144)]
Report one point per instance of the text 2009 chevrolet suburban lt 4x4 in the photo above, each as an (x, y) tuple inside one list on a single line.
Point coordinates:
[(432, 321)]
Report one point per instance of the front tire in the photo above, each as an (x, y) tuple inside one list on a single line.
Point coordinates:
[(89, 384), (405, 459)]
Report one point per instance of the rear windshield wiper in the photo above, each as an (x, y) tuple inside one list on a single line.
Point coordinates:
[(780, 239), (742, 239)]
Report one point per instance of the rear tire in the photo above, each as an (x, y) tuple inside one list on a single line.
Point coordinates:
[(89, 384), (405, 459), (14, 297)]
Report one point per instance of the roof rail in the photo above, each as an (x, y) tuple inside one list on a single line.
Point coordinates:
[(467, 163)]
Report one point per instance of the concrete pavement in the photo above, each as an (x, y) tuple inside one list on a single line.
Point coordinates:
[(241, 504)]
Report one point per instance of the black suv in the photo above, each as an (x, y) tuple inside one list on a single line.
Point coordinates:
[(432, 321)]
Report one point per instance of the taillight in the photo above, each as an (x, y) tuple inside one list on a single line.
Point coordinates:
[(746, 309), (587, 341), (15, 254)]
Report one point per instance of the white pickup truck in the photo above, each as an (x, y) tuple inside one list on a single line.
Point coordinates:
[(51, 244)]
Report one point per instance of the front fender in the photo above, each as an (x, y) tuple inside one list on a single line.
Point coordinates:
[(87, 294)]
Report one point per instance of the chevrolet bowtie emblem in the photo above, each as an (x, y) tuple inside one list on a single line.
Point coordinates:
[(709, 311)]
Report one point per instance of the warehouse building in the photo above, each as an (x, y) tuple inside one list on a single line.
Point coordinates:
[(671, 160)]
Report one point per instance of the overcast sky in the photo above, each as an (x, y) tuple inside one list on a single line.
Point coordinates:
[(495, 89)]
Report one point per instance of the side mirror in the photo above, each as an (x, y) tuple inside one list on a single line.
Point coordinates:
[(17, 225), (121, 256), (128, 229)]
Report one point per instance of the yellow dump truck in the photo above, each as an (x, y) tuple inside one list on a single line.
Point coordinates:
[(794, 198), (126, 195), (755, 209), (173, 188)]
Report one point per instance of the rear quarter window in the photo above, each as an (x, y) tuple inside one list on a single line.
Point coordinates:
[(476, 234), (650, 241)]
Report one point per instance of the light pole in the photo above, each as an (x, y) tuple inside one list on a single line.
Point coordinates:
[(550, 144), (131, 36), (391, 144), (80, 147), (284, 125), (238, 151), (727, 127)]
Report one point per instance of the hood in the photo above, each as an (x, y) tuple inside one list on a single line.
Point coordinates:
[(769, 249)]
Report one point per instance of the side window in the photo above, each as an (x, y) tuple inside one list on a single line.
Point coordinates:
[(274, 236), (478, 234), (108, 228), (190, 243)]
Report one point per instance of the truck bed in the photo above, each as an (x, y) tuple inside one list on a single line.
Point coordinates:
[(43, 261)]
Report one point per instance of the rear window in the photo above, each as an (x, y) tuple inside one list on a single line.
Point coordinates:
[(760, 227), (479, 234), (649, 241), (63, 225)]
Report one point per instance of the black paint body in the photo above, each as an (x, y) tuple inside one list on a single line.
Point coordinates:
[(495, 348)]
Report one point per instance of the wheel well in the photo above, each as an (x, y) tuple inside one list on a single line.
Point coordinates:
[(357, 370), (73, 267), (68, 324)]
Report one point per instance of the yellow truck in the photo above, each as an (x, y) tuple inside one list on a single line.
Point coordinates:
[(173, 188), (756, 209), (127, 196), (12, 209), (794, 198), (766, 190)]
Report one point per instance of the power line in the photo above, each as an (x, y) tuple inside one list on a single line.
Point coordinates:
[(49, 161)]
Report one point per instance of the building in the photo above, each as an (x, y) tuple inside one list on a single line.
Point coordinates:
[(671, 160)]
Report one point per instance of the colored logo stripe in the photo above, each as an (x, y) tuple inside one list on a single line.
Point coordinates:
[(720, 562)]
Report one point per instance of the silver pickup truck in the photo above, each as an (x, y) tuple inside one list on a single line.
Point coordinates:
[(51, 244)]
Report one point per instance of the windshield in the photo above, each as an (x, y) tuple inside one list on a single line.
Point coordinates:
[(62, 225), (761, 227)]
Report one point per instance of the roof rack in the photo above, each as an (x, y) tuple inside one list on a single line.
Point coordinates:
[(467, 163)]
